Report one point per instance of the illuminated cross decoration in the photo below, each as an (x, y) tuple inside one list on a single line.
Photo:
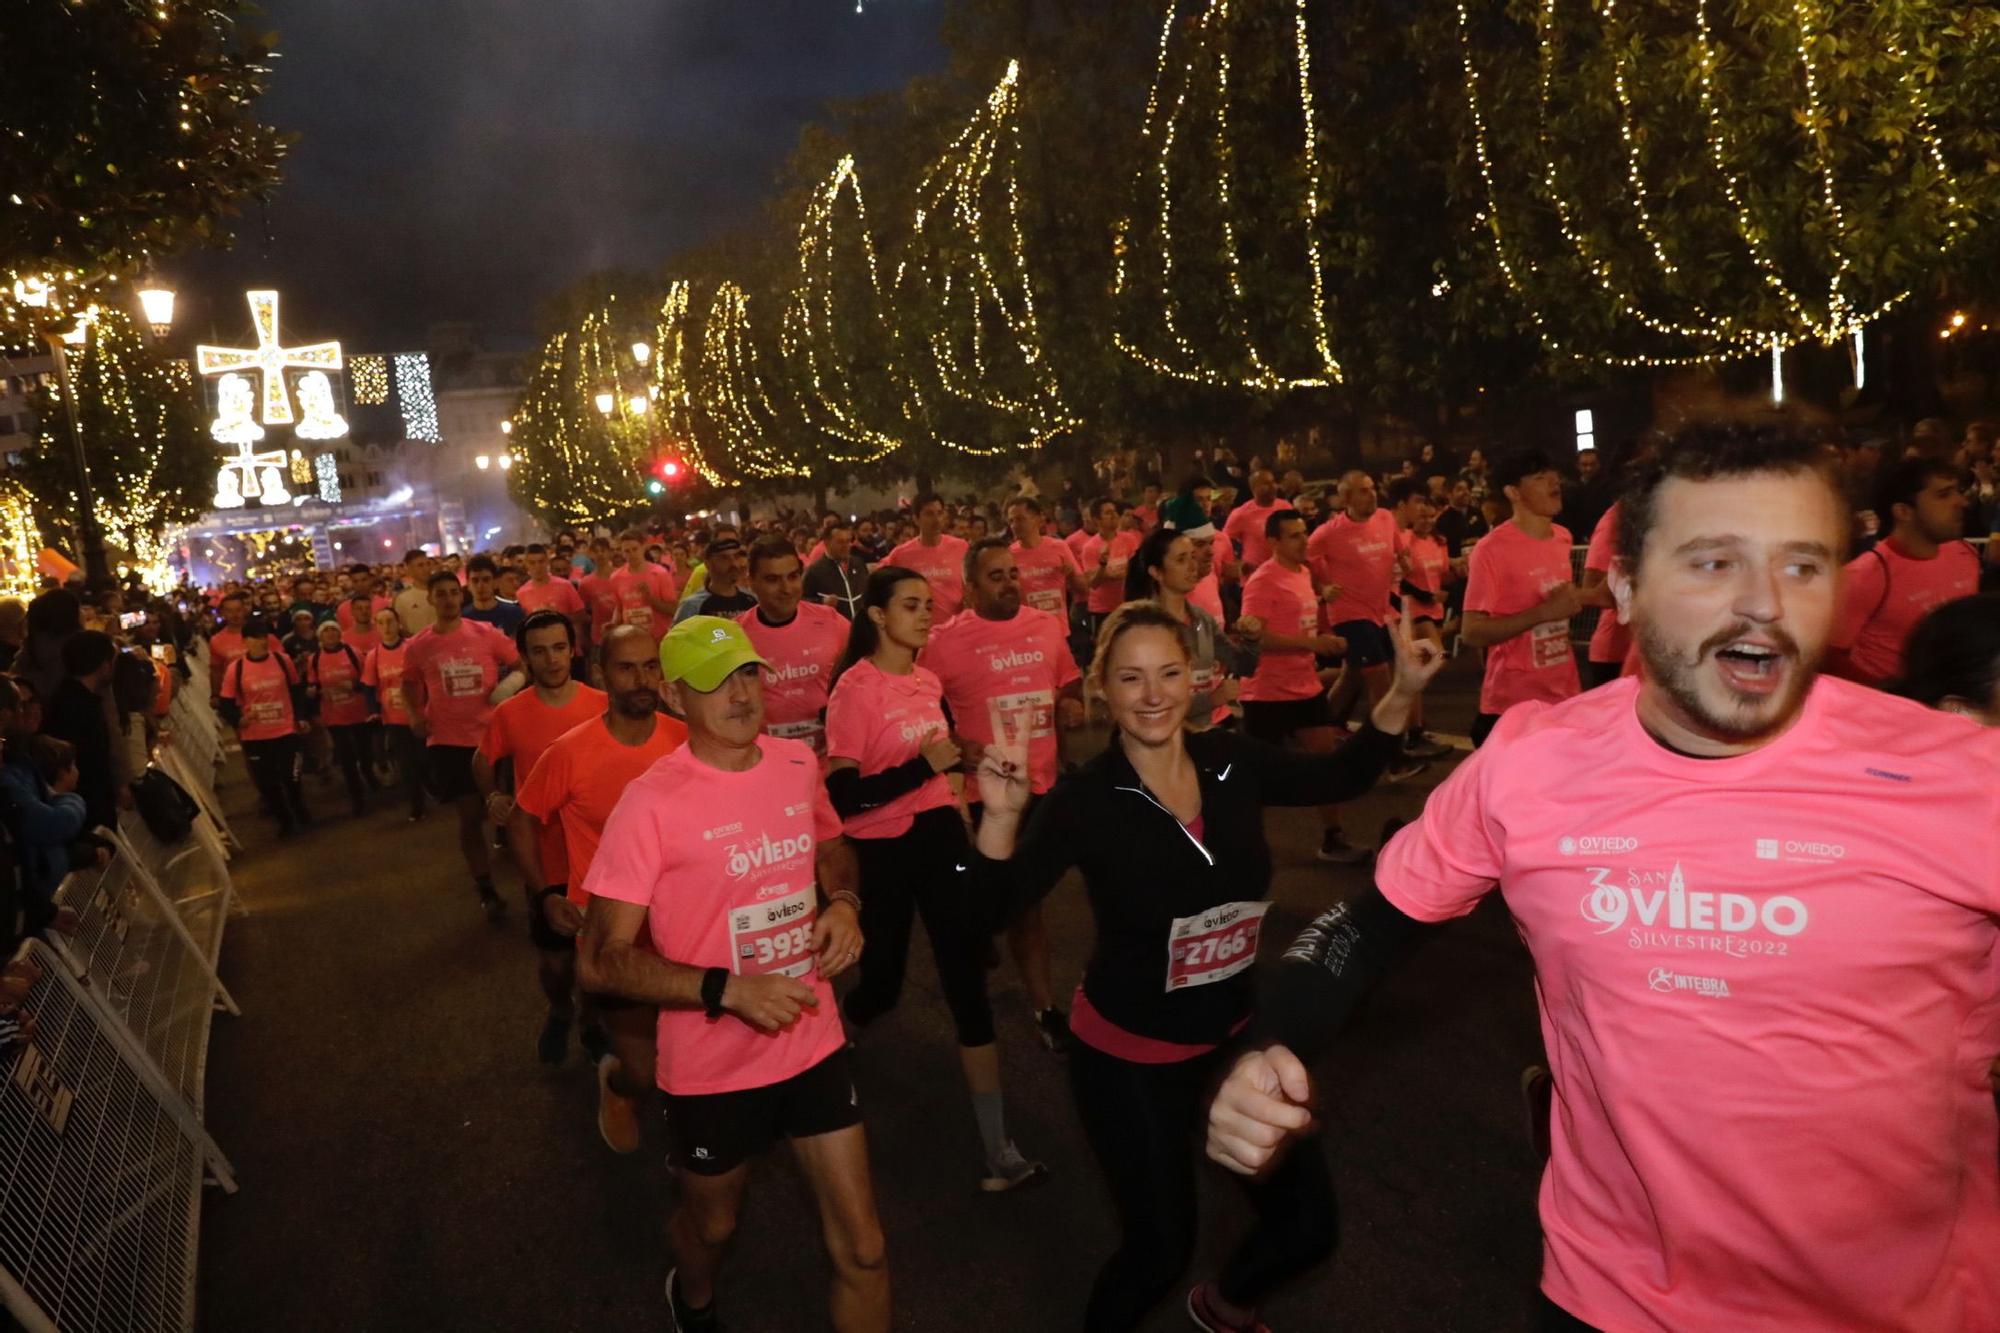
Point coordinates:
[(269, 358)]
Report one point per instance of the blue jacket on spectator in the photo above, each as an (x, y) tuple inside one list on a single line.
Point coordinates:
[(43, 823)]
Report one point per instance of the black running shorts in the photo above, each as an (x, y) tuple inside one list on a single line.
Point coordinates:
[(714, 1133), (451, 772)]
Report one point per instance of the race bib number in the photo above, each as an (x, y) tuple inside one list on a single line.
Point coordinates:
[(263, 710), (462, 679), (807, 730), (1551, 643), (339, 691), (641, 615), (1044, 599), (1213, 945), (1034, 707), (392, 697), (1206, 677), (774, 935)]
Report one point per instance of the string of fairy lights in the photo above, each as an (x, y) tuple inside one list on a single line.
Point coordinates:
[(1837, 315), (1249, 367)]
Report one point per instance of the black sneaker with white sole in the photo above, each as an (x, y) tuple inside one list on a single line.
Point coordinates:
[(684, 1318)]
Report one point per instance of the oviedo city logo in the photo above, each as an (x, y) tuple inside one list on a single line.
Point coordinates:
[(791, 671), (739, 859), (1660, 911), (1014, 659)]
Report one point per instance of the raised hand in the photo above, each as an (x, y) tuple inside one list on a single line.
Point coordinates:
[(1003, 770), (1418, 660)]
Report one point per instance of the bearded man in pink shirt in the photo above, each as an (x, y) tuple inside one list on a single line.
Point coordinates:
[(1763, 918)]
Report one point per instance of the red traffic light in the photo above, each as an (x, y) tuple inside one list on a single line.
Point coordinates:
[(670, 469)]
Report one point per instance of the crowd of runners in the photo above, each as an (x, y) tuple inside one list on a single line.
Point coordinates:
[(731, 767)]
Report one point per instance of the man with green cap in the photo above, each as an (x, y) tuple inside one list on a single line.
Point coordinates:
[(729, 854)]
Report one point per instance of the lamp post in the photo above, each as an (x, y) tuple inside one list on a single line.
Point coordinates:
[(157, 304)]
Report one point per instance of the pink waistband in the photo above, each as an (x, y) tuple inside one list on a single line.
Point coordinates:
[(1101, 1034)]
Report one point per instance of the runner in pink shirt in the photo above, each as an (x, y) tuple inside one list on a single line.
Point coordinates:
[(1248, 523), (1519, 594), (333, 677), (1425, 565), (1923, 563), (1050, 576), (728, 855), (1763, 920), (802, 641), (600, 595), (1214, 553), (1006, 669), (542, 591), (1284, 699), (645, 590), (261, 688), (937, 555), (890, 753), (361, 610), (1105, 558), (1611, 641), (1354, 556), (450, 672), (382, 672)]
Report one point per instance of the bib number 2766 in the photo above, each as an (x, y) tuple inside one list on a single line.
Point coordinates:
[(1213, 945)]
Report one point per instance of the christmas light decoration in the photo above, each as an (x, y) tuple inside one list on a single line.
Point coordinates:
[(413, 391), (569, 461), (320, 421), (822, 346), (1247, 365), (234, 404), (673, 367), (369, 376), (270, 358), (327, 470), (1812, 274), (968, 301), (20, 542), (730, 390), (302, 469)]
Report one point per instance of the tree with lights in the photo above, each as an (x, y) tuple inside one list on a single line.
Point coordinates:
[(1703, 182), (152, 465), (131, 134), (583, 425)]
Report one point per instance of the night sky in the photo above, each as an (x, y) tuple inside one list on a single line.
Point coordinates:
[(463, 159)]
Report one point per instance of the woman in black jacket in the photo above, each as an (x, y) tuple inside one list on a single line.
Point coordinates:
[(1167, 828)]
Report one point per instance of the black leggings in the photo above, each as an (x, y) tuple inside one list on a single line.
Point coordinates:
[(917, 871), (1143, 1122), (350, 751), (274, 768), (408, 752)]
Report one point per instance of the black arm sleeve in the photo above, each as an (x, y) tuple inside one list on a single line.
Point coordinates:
[(1293, 777), (1330, 968), (852, 794), (1046, 848)]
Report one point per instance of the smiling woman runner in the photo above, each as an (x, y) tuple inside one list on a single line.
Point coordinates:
[(1167, 828)]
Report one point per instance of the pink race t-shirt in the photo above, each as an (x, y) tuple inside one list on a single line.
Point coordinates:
[(724, 864), (1104, 598), (262, 689), (1508, 572), (1046, 568), (554, 595), (344, 613), (1076, 540), (382, 669), (1245, 526), (1611, 641), (1770, 995), (1360, 560), (336, 674), (943, 566), (601, 596), (1429, 565), (879, 721), (1001, 674), (1207, 594), (1285, 601), (803, 653), (452, 674), (1884, 593), (634, 608)]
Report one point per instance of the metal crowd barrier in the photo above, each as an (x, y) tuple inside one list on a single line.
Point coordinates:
[(100, 1171)]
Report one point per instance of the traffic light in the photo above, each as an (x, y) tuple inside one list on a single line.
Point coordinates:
[(665, 473)]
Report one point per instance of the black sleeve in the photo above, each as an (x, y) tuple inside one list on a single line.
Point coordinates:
[(1043, 851), (852, 794), (1293, 777), (1330, 968)]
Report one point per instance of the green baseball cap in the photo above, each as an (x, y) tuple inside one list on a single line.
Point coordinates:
[(704, 650)]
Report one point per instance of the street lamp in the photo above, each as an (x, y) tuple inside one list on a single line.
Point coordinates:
[(642, 353), (482, 462), (606, 400), (506, 461), (507, 426), (640, 402), (158, 305)]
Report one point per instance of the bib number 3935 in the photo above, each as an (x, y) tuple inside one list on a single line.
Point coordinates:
[(774, 935), (1213, 945)]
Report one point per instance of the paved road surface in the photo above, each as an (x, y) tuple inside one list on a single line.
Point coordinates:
[(405, 1163)]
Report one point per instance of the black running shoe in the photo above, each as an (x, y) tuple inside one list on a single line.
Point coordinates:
[(1053, 1025)]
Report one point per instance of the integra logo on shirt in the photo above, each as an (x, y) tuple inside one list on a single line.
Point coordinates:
[(1667, 981), (1014, 659), (1672, 905), (765, 853)]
